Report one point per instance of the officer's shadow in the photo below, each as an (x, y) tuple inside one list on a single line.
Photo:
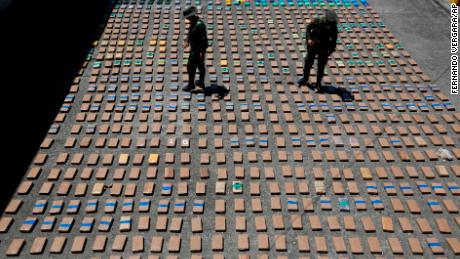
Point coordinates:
[(209, 90), (344, 94)]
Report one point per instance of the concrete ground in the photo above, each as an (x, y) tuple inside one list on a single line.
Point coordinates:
[(423, 28)]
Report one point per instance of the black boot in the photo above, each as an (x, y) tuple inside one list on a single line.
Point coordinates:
[(199, 83), (302, 81), (188, 87)]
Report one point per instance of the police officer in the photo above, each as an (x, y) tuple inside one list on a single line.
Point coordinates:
[(198, 42), (321, 41)]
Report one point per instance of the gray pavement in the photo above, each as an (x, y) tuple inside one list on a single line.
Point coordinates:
[(423, 28)]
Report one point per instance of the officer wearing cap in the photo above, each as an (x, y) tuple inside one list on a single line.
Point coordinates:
[(321, 39), (198, 42)]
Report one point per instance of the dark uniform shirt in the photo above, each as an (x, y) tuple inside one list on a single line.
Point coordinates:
[(197, 37), (323, 33)]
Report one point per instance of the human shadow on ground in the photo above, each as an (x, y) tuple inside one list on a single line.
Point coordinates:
[(344, 94), (220, 90)]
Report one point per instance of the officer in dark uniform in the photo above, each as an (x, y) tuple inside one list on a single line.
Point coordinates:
[(198, 42), (321, 41)]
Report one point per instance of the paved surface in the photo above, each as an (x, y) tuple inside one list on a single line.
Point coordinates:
[(134, 166), (423, 28)]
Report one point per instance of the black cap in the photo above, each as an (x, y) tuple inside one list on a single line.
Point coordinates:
[(330, 15), (189, 11)]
